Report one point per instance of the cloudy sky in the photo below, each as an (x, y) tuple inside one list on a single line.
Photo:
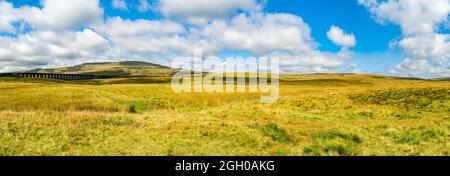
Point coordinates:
[(394, 37)]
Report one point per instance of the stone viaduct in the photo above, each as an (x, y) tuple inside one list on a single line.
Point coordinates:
[(67, 77)]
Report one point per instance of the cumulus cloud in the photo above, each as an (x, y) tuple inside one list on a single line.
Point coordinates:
[(271, 35), (50, 48), (119, 4), (144, 6), (118, 27), (414, 16), (339, 37), (8, 14), (202, 11), (434, 46), (421, 68), (60, 35), (54, 15), (262, 33), (314, 61), (420, 22), (64, 15), (280, 35), (147, 36)]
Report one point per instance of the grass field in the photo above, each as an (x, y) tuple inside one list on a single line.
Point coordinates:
[(323, 114)]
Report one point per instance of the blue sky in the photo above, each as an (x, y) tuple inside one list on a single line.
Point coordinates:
[(348, 14), (372, 51), (364, 21)]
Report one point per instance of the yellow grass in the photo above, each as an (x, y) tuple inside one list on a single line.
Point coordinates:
[(315, 115)]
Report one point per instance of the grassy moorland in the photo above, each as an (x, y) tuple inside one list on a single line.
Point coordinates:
[(315, 115)]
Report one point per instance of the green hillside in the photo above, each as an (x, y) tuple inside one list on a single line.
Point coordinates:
[(113, 69)]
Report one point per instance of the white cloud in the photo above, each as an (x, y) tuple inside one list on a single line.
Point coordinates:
[(414, 16), (7, 16), (202, 11), (118, 27), (144, 6), (54, 37), (54, 15), (314, 61), (282, 35), (262, 33), (421, 68), (64, 14), (51, 48), (285, 36), (353, 68), (433, 46), (420, 22), (339, 37), (147, 36), (88, 40), (65, 32), (119, 4)]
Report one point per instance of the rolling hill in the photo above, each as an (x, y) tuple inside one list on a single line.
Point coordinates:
[(113, 69), (316, 115)]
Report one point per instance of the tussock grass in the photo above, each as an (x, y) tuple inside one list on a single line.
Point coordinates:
[(333, 135), (116, 122), (409, 98), (415, 137), (273, 131), (320, 114)]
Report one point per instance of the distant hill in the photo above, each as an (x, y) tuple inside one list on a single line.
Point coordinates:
[(112, 69), (443, 79)]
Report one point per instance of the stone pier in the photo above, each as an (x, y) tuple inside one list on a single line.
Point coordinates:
[(67, 77)]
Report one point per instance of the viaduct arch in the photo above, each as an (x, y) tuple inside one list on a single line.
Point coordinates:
[(67, 77)]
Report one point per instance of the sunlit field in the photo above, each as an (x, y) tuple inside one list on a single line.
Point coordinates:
[(315, 115)]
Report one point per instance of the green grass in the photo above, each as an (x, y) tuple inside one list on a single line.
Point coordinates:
[(329, 149), (333, 135), (321, 114), (416, 137), (114, 69), (409, 99), (273, 131)]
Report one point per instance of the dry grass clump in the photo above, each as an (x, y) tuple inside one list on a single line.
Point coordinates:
[(327, 114)]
